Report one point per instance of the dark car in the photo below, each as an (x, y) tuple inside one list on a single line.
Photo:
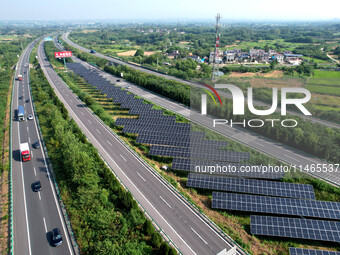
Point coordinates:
[(118, 80), (21, 97), (36, 186), (56, 237), (27, 100), (36, 145)]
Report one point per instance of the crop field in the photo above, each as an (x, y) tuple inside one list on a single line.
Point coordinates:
[(271, 43), (7, 37), (325, 82), (330, 90), (327, 100), (327, 74), (327, 108), (319, 61)]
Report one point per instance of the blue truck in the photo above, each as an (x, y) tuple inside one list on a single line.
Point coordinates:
[(21, 113)]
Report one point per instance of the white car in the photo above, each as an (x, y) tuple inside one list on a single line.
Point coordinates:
[(30, 117), (128, 87)]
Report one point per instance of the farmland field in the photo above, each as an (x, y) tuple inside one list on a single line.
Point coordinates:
[(319, 61), (327, 74), (271, 43), (325, 82), (330, 90)]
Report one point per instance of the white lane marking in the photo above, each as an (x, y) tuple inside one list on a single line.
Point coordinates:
[(35, 172), (122, 157), (291, 158), (141, 176), (29, 139), (82, 113), (45, 224), (199, 236), (109, 143), (27, 129), (67, 95), (258, 144), (98, 131), (165, 202), (71, 100), (31, 153), (39, 195), (89, 121)]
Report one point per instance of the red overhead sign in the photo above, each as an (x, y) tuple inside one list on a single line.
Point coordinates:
[(63, 54)]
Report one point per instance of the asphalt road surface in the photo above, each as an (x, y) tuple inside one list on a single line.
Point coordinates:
[(284, 153), (35, 213), (222, 93), (186, 227)]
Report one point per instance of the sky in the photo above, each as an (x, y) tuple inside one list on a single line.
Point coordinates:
[(288, 10)]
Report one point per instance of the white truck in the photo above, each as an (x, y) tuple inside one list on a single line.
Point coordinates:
[(25, 152)]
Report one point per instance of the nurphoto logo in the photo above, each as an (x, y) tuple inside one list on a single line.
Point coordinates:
[(239, 105)]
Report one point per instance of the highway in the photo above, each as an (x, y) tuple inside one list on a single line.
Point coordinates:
[(222, 93), (284, 153), (187, 228), (35, 213)]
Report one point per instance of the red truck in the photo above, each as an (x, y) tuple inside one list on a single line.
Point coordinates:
[(19, 77), (25, 152)]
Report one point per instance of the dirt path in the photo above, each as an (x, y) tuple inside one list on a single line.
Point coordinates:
[(337, 61)]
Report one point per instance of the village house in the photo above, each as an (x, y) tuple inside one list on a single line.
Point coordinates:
[(219, 57)]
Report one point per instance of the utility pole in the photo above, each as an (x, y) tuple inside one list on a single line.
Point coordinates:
[(217, 43)]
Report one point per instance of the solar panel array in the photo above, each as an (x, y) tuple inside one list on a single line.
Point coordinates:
[(166, 136), (269, 188), (224, 168), (199, 153), (299, 251), (180, 141), (276, 205), (295, 228)]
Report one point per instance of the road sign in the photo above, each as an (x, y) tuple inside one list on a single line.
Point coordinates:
[(63, 54), (47, 39)]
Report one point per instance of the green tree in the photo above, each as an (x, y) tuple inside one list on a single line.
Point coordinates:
[(139, 52), (273, 64), (156, 239), (148, 228)]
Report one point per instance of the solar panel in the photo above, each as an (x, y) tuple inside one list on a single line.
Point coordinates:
[(299, 251), (269, 188), (295, 228), (276, 205), (198, 153), (141, 122), (160, 130), (181, 141)]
